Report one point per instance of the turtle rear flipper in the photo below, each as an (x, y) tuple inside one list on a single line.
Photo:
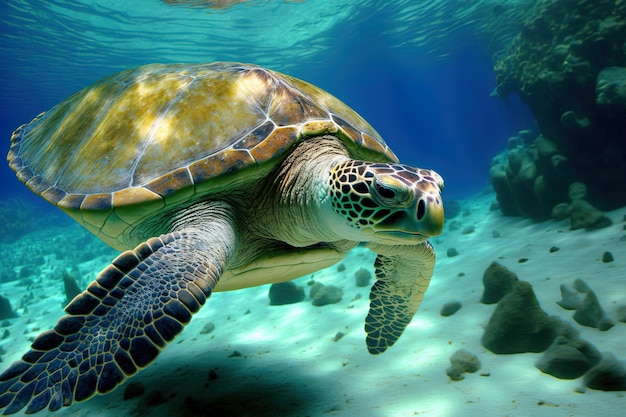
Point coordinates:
[(403, 274), (121, 322)]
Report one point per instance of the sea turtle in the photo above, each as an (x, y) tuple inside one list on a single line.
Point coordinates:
[(211, 177)]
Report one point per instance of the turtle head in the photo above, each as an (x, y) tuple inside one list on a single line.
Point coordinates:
[(390, 203)]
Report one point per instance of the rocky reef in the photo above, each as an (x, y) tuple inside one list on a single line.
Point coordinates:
[(519, 325), (568, 65)]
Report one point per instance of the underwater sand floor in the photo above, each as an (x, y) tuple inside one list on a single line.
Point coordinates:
[(290, 365)]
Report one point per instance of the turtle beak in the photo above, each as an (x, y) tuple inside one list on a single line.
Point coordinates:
[(421, 219), (430, 214)]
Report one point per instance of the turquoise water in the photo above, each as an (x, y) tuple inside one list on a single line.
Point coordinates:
[(422, 74), (429, 64)]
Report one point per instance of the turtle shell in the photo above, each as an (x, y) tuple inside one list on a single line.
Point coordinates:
[(157, 136)]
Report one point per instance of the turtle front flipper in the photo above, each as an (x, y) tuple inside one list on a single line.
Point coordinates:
[(403, 274), (122, 321)]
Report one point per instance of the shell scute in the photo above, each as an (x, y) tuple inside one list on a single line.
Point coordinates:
[(173, 187), (37, 184), (208, 116), (278, 142), (256, 136), (376, 147), (135, 203), (71, 201), (290, 107), (318, 127), (53, 194), (51, 147), (119, 151), (210, 172)]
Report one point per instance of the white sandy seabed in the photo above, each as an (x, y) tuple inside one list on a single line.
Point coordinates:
[(290, 364)]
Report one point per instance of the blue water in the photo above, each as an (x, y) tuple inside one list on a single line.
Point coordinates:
[(421, 75)]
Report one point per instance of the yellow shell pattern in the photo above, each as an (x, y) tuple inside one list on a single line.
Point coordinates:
[(124, 148)]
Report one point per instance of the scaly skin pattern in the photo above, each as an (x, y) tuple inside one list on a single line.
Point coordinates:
[(123, 320), (317, 201), (387, 198), (402, 277), (396, 207)]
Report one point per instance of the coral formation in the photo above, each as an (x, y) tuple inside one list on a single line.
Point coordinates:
[(6, 312), (518, 323), (608, 375), (582, 213), (531, 180), (498, 281), (568, 64), (527, 174), (580, 297), (568, 358)]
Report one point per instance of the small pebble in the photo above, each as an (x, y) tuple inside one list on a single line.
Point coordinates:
[(207, 328), (462, 361), (452, 252), (522, 260), (341, 267), (467, 230), (362, 277), (495, 234), (338, 336), (212, 375), (235, 354), (607, 257), (134, 389), (554, 249), (450, 308)]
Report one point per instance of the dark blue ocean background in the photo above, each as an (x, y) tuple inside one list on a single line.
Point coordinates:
[(420, 72)]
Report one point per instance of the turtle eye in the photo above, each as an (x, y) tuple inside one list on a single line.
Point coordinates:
[(391, 192), (385, 191)]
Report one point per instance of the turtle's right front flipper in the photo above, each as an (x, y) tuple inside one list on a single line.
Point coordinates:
[(122, 321)]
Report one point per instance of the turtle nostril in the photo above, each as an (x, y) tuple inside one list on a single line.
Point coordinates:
[(421, 209)]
